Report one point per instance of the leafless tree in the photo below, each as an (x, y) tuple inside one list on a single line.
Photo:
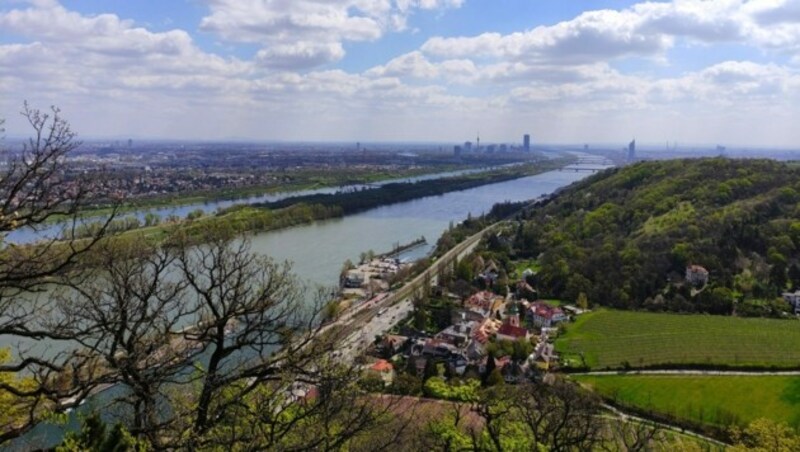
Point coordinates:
[(631, 435), (126, 314), (36, 188), (215, 346), (560, 415)]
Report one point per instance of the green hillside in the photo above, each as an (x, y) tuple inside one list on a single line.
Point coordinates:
[(626, 236)]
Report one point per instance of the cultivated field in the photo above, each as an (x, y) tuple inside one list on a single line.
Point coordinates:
[(716, 400), (619, 339)]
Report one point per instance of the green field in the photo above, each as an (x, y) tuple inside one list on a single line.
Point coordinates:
[(618, 339), (715, 400)]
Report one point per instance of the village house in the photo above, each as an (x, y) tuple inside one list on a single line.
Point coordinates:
[(524, 290), (383, 369), (458, 334), (793, 298), (542, 315), (696, 275), (481, 302), (544, 354), (393, 344), (511, 330)]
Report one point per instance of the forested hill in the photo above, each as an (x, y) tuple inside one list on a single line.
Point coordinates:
[(625, 236)]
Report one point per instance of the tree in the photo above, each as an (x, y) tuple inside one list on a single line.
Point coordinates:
[(430, 370), (95, 437), (764, 435), (126, 317), (494, 378), (582, 301), (219, 335), (561, 415), (37, 186)]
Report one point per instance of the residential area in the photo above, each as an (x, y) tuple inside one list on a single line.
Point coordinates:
[(461, 333)]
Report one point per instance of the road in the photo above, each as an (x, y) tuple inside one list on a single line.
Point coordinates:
[(724, 373), (361, 325), (625, 417)]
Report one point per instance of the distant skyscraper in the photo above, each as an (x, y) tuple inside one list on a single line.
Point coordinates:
[(526, 143), (457, 151), (467, 146), (130, 143), (632, 151)]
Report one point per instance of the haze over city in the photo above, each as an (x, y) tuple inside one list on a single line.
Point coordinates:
[(692, 71)]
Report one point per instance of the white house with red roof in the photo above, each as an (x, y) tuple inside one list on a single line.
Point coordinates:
[(543, 315)]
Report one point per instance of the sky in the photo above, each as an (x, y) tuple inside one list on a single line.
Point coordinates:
[(602, 71)]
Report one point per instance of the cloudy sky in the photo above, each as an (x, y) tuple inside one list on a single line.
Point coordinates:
[(699, 71)]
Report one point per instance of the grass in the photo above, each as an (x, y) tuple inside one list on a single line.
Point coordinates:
[(720, 401), (683, 213), (619, 339), (521, 266)]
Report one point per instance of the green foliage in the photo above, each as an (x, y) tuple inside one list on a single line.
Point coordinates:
[(462, 391), (360, 200), (94, 436), (619, 236), (607, 339), (763, 435), (405, 383), (719, 401), (495, 378)]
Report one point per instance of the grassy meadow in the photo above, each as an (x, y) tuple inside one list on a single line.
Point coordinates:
[(609, 339), (720, 401)]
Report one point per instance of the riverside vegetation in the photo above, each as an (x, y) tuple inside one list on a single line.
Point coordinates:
[(298, 210)]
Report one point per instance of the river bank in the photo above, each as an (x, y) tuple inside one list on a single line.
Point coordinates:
[(298, 210)]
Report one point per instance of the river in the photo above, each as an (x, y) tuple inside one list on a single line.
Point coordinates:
[(318, 250), (29, 235)]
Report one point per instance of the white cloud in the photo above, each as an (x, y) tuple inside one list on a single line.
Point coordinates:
[(643, 30), (279, 25), (114, 76)]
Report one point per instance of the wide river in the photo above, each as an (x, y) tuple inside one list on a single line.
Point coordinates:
[(209, 207), (318, 250)]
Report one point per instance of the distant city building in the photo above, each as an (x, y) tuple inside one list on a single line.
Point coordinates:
[(130, 143), (632, 151), (491, 148), (526, 143), (503, 148), (457, 151), (467, 146)]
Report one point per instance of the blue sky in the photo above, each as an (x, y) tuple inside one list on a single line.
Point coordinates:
[(701, 71)]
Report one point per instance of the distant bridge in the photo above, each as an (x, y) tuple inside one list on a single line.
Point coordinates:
[(576, 168)]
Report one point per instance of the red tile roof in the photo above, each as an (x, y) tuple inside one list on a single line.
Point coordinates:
[(382, 366), (544, 310), (511, 330)]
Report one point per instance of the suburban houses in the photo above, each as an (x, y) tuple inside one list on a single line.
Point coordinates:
[(479, 328)]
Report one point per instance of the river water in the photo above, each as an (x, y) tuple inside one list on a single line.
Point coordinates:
[(210, 207), (318, 250)]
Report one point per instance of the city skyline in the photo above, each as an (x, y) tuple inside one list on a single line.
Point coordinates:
[(690, 71)]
